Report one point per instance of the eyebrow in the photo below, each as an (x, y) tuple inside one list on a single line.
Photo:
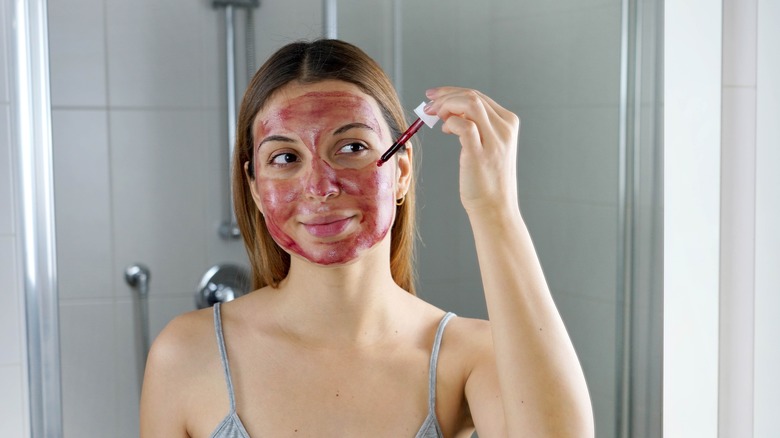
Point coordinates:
[(274, 138), (343, 129), (354, 125)]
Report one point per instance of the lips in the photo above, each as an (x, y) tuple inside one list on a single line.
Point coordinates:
[(326, 226)]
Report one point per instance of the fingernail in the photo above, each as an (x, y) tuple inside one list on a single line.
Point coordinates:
[(430, 92), (428, 106)]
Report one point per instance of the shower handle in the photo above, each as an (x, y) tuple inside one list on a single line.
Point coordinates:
[(137, 276)]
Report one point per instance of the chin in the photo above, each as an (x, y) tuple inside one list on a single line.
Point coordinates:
[(341, 253)]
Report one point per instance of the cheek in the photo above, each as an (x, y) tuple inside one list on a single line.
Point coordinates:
[(372, 184), (278, 201), (373, 187), (278, 195)]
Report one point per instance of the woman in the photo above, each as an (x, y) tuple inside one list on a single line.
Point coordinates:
[(334, 342)]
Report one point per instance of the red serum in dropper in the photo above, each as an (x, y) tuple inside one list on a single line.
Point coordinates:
[(422, 117)]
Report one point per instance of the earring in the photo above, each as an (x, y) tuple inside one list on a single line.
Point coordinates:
[(400, 202)]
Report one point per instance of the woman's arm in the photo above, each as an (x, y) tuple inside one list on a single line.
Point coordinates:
[(542, 386), (164, 381)]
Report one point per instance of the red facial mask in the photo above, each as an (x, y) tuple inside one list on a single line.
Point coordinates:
[(325, 210)]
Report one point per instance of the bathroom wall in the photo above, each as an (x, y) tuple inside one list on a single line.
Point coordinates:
[(14, 413), (140, 150)]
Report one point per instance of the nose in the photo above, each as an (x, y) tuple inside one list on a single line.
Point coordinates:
[(322, 182)]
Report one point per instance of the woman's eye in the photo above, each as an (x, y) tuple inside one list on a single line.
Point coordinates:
[(284, 158), (352, 148)]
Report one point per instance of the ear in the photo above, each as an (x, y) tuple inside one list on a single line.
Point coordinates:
[(404, 171), (253, 188)]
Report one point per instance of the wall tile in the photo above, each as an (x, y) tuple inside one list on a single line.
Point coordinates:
[(159, 181), (162, 309), (213, 69), (77, 53), (11, 335), (82, 203), (7, 218), (217, 206), (429, 60), (569, 154), (374, 36), (577, 245), (561, 59), (88, 367), (12, 413), (154, 53), (542, 145), (442, 222), (590, 159), (279, 22), (513, 10), (129, 369)]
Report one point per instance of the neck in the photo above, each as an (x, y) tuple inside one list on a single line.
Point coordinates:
[(346, 305)]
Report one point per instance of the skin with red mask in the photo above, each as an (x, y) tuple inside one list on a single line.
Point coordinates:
[(316, 181)]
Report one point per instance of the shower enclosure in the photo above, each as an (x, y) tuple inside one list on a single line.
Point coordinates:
[(140, 171)]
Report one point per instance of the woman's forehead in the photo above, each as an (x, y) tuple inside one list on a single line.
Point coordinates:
[(321, 103)]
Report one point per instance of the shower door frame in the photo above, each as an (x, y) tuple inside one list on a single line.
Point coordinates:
[(32, 153)]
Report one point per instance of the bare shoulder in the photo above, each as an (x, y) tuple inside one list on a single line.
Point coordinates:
[(471, 341), (467, 351), (470, 337), (175, 362), (182, 338)]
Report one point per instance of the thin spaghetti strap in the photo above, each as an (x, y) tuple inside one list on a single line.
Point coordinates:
[(223, 355), (434, 362)]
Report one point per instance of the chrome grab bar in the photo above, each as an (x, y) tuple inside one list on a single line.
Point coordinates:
[(137, 276)]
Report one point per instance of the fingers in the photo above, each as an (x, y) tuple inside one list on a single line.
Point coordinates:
[(476, 118), (461, 97), (466, 130), (464, 103)]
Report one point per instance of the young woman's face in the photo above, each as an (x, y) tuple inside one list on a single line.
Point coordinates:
[(316, 179)]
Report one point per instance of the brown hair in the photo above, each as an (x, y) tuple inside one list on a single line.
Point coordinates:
[(306, 63)]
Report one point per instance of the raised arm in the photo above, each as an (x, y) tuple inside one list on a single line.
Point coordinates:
[(542, 387)]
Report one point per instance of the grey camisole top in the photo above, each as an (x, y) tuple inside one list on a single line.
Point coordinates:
[(231, 426)]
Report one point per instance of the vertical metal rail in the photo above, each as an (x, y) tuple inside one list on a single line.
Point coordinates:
[(137, 276), (33, 154), (330, 18), (229, 229), (622, 384), (628, 196)]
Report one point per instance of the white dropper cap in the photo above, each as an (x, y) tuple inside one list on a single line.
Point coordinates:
[(427, 118)]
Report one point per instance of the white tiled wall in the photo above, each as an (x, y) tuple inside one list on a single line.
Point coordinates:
[(13, 396), (77, 53), (81, 181), (140, 149)]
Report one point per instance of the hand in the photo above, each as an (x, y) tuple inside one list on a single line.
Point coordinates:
[(488, 136)]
